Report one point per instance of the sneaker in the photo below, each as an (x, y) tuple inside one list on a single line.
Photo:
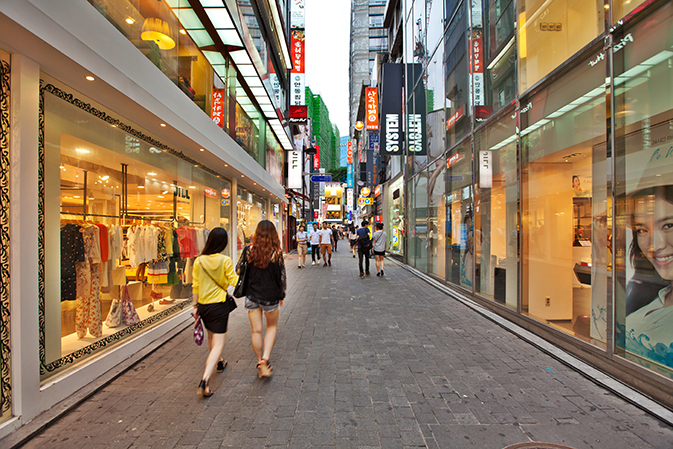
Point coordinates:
[(313, 263), (362, 275), (367, 273)]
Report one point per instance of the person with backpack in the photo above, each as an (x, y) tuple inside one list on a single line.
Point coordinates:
[(213, 272), (364, 247), (264, 290)]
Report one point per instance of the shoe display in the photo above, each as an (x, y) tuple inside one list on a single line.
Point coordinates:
[(165, 302)]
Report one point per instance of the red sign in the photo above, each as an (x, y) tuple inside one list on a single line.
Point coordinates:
[(454, 160), (217, 108), (212, 193), (316, 158), (349, 152), (298, 112), (297, 51), (454, 118), (315, 214), (372, 108), (476, 57), (378, 218), (225, 193), (377, 190)]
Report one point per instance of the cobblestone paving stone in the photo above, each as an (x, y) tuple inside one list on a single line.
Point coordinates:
[(377, 362)]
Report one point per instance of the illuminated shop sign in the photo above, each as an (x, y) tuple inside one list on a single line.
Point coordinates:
[(211, 193), (217, 107), (454, 118), (391, 109), (294, 170), (349, 152), (453, 160), (225, 193), (372, 98), (316, 157)]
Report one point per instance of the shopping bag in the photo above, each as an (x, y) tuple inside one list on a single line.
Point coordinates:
[(114, 317), (129, 314), (198, 330)]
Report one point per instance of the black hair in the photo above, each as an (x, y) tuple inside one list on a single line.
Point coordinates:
[(217, 241), (379, 225), (575, 176), (364, 223)]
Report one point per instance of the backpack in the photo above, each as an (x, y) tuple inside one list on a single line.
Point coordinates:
[(365, 241)]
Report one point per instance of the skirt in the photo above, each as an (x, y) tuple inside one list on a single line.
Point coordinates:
[(215, 316)]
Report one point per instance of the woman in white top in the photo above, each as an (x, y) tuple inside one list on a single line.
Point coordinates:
[(353, 238), (380, 240)]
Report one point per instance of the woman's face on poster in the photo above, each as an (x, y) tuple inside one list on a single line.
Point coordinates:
[(576, 182), (653, 223)]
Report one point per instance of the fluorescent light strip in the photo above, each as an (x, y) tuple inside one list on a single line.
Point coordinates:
[(247, 70), (214, 57), (188, 19), (240, 57), (253, 81), (501, 54), (220, 18), (200, 37)]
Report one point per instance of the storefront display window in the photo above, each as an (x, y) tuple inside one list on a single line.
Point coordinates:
[(437, 224), (251, 210), (418, 233), (496, 199), (396, 217), (644, 175), (247, 124), (124, 217), (274, 156), (5, 377), (550, 32), (334, 194), (460, 216), (565, 213)]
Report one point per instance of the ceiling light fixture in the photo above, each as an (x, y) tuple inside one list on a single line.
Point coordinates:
[(163, 125), (151, 174), (158, 31), (82, 150), (130, 20), (90, 78)]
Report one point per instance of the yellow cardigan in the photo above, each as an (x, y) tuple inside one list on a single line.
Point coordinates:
[(221, 268)]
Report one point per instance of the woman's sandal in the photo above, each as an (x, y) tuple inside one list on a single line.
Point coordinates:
[(203, 390), (264, 369), (221, 365)]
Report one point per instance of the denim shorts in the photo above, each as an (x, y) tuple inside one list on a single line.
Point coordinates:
[(252, 305)]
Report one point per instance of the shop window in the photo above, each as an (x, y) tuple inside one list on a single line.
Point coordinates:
[(122, 214), (565, 212), (457, 88), (551, 32), (437, 224), (434, 98), (396, 230), (418, 238), (5, 356), (621, 8), (496, 203), (247, 125), (644, 175), (460, 257), (251, 210)]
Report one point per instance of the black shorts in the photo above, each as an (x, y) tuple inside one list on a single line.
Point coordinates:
[(379, 253), (353, 243), (215, 316)]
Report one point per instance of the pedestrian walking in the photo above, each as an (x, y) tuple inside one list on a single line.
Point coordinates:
[(380, 243), (353, 239), (265, 290), (326, 242), (314, 239), (213, 272), (335, 235), (364, 242), (302, 247)]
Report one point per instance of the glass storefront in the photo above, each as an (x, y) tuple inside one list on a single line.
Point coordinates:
[(396, 231), (644, 196), (251, 210), (5, 376), (123, 217)]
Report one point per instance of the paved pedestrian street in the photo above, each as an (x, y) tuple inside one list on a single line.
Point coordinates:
[(377, 362)]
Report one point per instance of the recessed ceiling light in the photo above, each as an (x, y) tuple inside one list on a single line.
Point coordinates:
[(82, 150), (141, 187), (163, 125), (226, 165), (192, 187), (90, 78), (104, 178), (242, 176), (91, 199), (130, 20), (151, 174), (254, 183), (183, 32), (201, 149)]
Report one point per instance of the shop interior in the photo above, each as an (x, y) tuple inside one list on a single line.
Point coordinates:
[(251, 209)]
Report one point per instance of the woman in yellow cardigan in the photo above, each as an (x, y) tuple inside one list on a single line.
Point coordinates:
[(213, 273)]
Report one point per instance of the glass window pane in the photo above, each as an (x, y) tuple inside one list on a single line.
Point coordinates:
[(457, 99), (396, 232), (496, 211), (419, 226), (550, 32), (564, 252), (437, 224), (460, 215), (643, 99)]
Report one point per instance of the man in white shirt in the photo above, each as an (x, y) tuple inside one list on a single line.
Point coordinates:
[(326, 242), (314, 239)]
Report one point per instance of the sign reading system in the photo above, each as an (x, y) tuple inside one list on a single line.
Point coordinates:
[(391, 109)]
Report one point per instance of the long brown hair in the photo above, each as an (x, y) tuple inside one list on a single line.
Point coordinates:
[(265, 245)]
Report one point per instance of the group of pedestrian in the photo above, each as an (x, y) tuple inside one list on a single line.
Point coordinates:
[(214, 277), (365, 245), (322, 240)]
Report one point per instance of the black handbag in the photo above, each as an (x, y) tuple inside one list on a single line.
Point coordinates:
[(239, 291)]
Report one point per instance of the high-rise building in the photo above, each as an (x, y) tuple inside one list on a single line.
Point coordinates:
[(143, 124), (368, 39), (325, 133)]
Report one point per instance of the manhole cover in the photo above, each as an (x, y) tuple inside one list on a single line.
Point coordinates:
[(537, 446)]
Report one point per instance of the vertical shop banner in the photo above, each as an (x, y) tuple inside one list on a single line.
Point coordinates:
[(297, 76), (217, 108), (391, 109), (476, 86), (374, 141), (294, 170), (416, 116), (316, 157), (485, 170), (297, 16), (298, 89), (372, 98), (349, 175), (349, 152), (349, 200)]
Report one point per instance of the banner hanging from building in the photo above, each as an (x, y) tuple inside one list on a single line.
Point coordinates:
[(372, 99), (297, 76), (416, 115), (316, 157), (349, 152), (294, 170), (349, 175), (391, 110), (217, 107), (297, 16)]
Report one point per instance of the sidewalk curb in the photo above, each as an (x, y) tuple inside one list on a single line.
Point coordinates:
[(600, 378)]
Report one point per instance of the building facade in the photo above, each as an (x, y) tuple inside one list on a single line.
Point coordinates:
[(534, 171), (129, 130)]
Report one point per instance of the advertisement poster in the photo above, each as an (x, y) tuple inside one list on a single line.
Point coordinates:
[(297, 16), (217, 108)]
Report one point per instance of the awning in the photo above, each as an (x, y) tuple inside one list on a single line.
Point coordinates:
[(296, 194)]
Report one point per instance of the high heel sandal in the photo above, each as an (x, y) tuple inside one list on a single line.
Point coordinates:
[(203, 390), (264, 369)]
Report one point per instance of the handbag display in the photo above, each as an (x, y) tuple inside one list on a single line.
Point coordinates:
[(129, 314), (114, 317), (198, 330), (239, 291)]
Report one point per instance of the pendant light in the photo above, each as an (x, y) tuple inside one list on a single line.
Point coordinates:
[(157, 30)]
